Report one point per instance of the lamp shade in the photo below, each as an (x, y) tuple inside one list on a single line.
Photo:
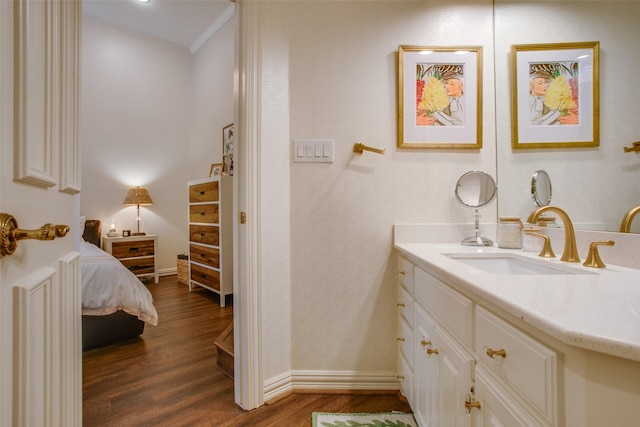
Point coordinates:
[(138, 196)]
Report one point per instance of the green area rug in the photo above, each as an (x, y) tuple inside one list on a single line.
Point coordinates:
[(382, 419)]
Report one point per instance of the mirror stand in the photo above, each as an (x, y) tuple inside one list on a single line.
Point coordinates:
[(476, 189), (477, 240)]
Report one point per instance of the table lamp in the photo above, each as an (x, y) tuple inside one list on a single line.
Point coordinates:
[(136, 197)]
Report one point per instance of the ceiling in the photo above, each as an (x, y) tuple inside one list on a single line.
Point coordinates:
[(178, 21)]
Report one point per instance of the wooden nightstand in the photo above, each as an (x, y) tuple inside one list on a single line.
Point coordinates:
[(137, 253)]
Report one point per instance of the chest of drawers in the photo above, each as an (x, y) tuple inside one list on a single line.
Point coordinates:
[(210, 235)]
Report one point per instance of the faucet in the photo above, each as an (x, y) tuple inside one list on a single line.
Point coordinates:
[(626, 221), (570, 251)]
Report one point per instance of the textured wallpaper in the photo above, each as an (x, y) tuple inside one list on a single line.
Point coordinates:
[(341, 63)]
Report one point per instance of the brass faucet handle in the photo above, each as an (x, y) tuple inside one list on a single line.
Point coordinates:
[(546, 251), (593, 258)]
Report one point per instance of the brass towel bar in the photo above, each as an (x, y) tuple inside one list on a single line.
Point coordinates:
[(360, 148), (634, 147)]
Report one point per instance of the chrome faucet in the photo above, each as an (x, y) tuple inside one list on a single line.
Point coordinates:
[(626, 221), (570, 251)]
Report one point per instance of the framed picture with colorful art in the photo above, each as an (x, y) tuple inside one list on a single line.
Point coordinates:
[(555, 95), (440, 97)]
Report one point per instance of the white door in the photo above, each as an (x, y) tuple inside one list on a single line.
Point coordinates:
[(40, 333), (455, 373)]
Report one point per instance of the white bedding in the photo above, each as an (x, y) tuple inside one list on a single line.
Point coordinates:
[(107, 286)]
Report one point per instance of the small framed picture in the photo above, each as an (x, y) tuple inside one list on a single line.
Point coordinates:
[(126, 233), (216, 169), (227, 149)]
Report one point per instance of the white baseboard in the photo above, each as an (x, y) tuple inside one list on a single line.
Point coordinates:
[(168, 271), (330, 381)]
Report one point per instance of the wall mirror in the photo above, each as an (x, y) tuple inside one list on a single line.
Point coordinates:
[(541, 188), (595, 186), (476, 189)]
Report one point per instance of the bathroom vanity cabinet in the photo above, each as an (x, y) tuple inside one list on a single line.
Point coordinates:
[(465, 361), (460, 376)]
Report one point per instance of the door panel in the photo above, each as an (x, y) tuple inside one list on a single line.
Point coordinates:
[(40, 329)]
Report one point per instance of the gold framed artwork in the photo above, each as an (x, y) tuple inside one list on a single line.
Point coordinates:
[(439, 97), (555, 95), (216, 169), (227, 149)]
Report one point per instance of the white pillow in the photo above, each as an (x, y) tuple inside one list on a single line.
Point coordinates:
[(83, 219)]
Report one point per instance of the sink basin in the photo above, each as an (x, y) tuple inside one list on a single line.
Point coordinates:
[(512, 264)]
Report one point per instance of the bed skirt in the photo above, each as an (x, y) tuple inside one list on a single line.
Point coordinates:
[(99, 331)]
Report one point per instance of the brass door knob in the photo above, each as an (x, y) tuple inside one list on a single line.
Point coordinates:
[(11, 234)]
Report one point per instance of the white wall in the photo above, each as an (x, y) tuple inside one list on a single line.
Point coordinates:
[(134, 130), (212, 72), (341, 67)]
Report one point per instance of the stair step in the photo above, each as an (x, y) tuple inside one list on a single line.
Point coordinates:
[(224, 346)]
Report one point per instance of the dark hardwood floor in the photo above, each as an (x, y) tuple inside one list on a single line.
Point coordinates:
[(169, 377)]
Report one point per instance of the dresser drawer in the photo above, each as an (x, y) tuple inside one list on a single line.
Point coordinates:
[(204, 213), (404, 337), (405, 305), (207, 192), (452, 309), (205, 255), (207, 234), (405, 273), (527, 365), (139, 265), (205, 276), (132, 249)]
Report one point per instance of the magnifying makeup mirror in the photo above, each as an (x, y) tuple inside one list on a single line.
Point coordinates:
[(541, 188), (476, 189)]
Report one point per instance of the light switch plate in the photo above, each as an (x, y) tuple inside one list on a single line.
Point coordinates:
[(313, 150)]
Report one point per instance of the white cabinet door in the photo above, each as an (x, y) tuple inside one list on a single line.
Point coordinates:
[(456, 366), (425, 370), (497, 407)]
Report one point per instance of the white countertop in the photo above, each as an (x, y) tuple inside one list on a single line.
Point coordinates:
[(599, 311)]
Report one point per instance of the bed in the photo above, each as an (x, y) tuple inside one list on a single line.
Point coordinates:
[(115, 304)]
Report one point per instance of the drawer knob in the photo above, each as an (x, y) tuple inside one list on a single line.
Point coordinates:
[(400, 272), (400, 304), (400, 377), (431, 351), (425, 343), (498, 353), (471, 403), (202, 213), (201, 193), (400, 339)]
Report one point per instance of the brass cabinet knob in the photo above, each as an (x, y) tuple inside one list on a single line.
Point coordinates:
[(400, 339), (11, 234), (471, 403), (400, 304), (400, 377), (425, 343), (431, 351), (400, 272), (498, 353)]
